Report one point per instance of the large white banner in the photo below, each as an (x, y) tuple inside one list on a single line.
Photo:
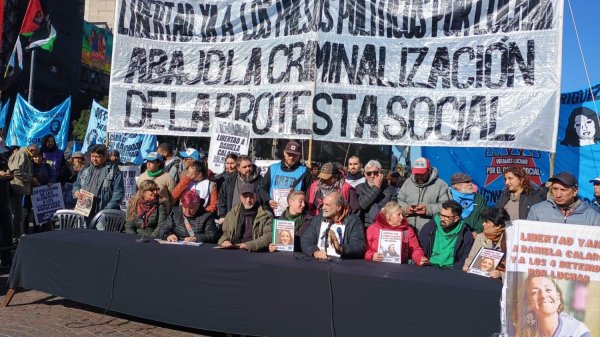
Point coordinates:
[(433, 73), (552, 283)]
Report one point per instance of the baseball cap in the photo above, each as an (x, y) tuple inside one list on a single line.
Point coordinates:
[(247, 188), (293, 147), (190, 153), (78, 155), (595, 180), (421, 166), (460, 177), (152, 156), (564, 178), (326, 171)]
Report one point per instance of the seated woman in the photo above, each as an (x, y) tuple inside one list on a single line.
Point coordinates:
[(146, 211), (492, 237), (391, 219), (190, 222), (294, 212)]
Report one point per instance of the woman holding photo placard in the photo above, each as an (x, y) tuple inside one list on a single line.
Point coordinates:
[(391, 219), (495, 221)]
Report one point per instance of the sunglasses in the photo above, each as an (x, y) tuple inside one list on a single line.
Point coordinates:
[(370, 173)]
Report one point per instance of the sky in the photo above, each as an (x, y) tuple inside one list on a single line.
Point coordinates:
[(588, 26)]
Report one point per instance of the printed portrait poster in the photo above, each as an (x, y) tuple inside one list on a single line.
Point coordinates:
[(227, 137), (552, 283), (129, 173), (45, 200), (578, 148), (84, 203), (486, 167), (325, 240), (280, 196), (390, 246), (283, 235), (485, 262)]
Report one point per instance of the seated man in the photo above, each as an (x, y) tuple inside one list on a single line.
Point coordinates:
[(566, 207), (248, 225), (446, 240), (335, 211)]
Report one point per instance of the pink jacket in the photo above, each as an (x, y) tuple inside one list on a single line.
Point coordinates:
[(410, 241)]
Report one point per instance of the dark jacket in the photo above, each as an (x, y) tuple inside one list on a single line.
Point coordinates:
[(226, 192), (464, 242), (134, 226), (525, 201), (353, 242), (203, 225), (371, 199), (265, 184)]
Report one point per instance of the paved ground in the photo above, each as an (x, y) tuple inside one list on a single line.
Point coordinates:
[(37, 314)]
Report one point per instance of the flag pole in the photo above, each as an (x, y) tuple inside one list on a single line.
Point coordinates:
[(31, 72)]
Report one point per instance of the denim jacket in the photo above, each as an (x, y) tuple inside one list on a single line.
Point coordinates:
[(112, 190)]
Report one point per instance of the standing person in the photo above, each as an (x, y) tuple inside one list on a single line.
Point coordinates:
[(446, 240), (375, 192), (42, 175), (103, 179), (6, 230), (331, 179), (155, 172), (196, 179), (596, 201), (21, 165), (566, 206), (69, 172), (473, 203), (314, 173), (229, 167), (354, 175), (518, 195), (288, 173), (115, 157), (146, 211), (422, 194), (172, 163), (229, 194), (53, 156)]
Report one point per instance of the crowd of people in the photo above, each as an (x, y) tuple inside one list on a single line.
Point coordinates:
[(179, 199)]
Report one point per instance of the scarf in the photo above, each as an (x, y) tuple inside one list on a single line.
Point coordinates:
[(245, 224), (155, 173), (442, 254), (467, 201), (351, 176), (145, 208), (296, 218)]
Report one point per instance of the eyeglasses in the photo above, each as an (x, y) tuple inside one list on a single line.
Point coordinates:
[(370, 173), (444, 216)]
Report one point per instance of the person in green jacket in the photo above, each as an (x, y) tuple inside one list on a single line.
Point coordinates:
[(473, 203), (248, 225)]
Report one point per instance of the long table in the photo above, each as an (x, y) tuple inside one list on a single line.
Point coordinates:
[(255, 293)]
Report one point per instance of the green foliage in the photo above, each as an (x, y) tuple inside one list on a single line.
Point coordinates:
[(79, 126)]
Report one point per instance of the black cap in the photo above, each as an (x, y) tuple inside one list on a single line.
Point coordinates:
[(247, 188), (564, 178)]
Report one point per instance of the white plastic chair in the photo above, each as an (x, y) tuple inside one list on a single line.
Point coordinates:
[(109, 220), (67, 218)]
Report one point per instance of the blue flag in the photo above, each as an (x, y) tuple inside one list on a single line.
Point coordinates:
[(577, 149), (3, 113), (486, 166), (132, 147), (28, 125)]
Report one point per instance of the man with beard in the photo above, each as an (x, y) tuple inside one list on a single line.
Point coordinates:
[(375, 192), (566, 207), (285, 175), (229, 194), (473, 203), (354, 175), (248, 225), (446, 240), (519, 195), (331, 180), (422, 194), (172, 163), (352, 245)]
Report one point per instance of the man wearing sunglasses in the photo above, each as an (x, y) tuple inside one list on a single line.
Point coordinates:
[(375, 192)]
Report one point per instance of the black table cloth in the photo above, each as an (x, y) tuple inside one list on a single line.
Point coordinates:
[(255, 293)]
